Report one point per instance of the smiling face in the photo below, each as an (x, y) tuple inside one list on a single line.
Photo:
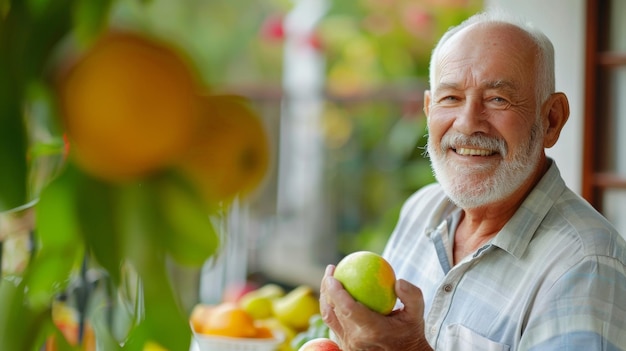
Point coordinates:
[(485, 128)]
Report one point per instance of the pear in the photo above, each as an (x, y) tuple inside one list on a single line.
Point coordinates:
[(258, 303), (284, 331), (269, 290), (296, 307)]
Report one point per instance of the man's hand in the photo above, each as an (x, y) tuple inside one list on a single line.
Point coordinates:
[(359, 328)]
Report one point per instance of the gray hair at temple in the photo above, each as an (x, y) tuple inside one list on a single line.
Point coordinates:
[(545, 62)]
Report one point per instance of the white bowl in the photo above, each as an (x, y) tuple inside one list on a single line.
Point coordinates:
[(225, 343)]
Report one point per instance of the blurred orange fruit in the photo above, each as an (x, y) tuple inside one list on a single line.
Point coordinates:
[(228, 319), (263, 332), (199, 316), (129, 106), (230, 155)]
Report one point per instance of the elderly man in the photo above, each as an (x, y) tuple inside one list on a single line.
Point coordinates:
[(499, 254)]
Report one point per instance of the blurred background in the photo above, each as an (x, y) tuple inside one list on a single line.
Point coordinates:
[(339, 87)]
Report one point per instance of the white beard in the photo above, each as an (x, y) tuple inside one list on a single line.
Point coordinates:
[(467, 187)]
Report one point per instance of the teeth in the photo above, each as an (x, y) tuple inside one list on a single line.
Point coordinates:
[(473, 152)]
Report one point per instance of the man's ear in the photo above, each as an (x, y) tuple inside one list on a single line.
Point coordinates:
[(556, 114), (426, 102)]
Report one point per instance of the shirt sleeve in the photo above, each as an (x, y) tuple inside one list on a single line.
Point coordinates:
[(584, 309)]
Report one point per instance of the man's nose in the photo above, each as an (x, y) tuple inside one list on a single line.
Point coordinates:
[(471, 118)]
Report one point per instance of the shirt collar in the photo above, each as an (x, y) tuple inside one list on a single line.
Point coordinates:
[(517, 233)]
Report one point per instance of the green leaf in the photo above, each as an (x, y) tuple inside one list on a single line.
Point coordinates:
[(28, 33), (59, 244), (141, 225), (138, 219), (12, 138), (90, 17), (38, 35), (38, 7), (96, 204), (46, 147), (21, 326), (164, 319), (191, 239)]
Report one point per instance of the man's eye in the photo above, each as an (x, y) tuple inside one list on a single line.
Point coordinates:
[(449, 98), (498, 101)]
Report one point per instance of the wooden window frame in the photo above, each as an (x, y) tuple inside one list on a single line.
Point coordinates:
[(594, 180)]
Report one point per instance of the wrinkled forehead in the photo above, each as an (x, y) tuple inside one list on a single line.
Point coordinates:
[(496, 47)]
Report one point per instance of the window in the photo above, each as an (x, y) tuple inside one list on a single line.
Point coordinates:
[(604, 158)]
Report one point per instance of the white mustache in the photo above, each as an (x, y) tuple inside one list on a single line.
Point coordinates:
[(478, 141)]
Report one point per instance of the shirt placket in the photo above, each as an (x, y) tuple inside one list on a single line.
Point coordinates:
[(445, 292), (443, 300)]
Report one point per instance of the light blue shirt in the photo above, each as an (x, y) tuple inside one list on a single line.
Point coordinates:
[(554, 277)]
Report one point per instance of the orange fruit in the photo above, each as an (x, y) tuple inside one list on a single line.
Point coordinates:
[(228, 319), (370, 279), (129, 106), (230, 155), (199, 314), (263, 332)]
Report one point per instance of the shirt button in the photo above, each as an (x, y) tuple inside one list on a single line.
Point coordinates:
[(433, 330), (447, 288)]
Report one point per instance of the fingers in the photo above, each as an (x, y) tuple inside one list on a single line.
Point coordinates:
[(411, 297), (324, 297), (327, 304), (358, 328), (339, 310), (330, 270), (344, 305)]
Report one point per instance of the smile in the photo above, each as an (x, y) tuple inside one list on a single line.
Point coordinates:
[(474, 152)]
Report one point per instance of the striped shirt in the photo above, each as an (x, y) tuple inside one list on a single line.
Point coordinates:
[(553, 278)]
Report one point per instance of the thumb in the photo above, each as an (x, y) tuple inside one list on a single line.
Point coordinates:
[(411, 297)]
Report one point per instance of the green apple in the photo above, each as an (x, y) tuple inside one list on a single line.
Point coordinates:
[(370, 279)]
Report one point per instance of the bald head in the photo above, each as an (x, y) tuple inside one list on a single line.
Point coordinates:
[(496, 34)]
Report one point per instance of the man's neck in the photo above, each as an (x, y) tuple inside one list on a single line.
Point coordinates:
[(479, 225)]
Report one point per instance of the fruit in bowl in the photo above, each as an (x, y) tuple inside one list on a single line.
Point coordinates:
[(227, 326), (266, 318), (296, 307), (226, 319), (258, 303)]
